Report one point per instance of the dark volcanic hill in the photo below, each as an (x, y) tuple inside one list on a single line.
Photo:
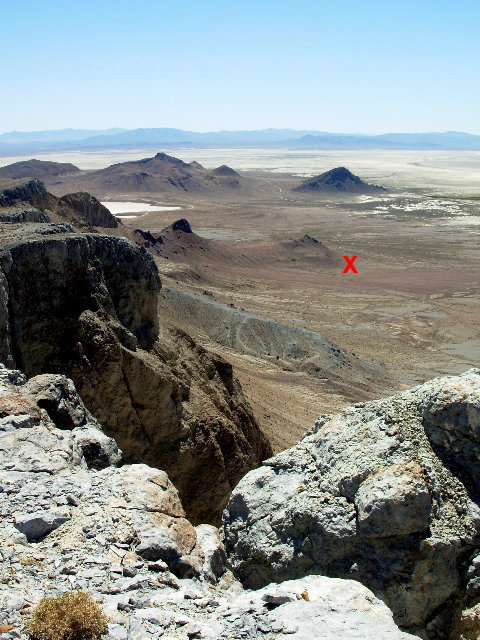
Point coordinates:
[(178, 243), (162, 174), (337, 180), (41, 169), (93, 210), (224, 170)]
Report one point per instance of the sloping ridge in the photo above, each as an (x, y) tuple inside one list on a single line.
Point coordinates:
[(297, 348), (179, 243), (162, 174)]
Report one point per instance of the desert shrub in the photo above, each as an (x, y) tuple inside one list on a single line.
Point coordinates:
[(71, 616), (28, 561)]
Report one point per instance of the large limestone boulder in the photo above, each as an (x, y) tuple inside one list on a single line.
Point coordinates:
[(322, 608), (384, 493)]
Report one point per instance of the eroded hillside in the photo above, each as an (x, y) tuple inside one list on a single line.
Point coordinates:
[(92, 315)]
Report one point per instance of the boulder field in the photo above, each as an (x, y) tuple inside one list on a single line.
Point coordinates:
[(74, 518)]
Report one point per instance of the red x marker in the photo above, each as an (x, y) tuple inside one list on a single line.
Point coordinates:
[(350, 262)]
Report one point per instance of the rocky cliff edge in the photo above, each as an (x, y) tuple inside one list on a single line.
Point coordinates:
[(85, 305)]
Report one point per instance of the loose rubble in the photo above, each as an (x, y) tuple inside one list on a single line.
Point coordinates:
[(73, 519)]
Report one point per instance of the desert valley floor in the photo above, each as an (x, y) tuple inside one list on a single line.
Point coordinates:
[(409, 314)]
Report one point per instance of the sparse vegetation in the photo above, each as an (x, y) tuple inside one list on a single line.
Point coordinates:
[(71, 616), (28, 561)]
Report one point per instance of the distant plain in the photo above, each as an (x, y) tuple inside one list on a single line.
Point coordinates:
[(443, 171), (414, 304)]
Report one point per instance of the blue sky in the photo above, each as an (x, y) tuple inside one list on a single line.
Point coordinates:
[(338, 65)]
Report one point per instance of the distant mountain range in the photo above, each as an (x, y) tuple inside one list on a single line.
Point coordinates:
[(83, 139)]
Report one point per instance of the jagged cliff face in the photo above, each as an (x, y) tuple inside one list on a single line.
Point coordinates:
[(74, 275), (93, 210), (85, 305), (27, 200), (30, 190)]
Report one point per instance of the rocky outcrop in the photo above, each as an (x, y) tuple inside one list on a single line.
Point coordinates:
[(27, 214), (32, 191), (59, 472), (73, 274), (385, 493), (28, 200), (92, 209), (172, 235), (180, 225), (92, 315), (72, 519)]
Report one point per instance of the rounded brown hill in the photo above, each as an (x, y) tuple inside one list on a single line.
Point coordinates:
[(337, 180), (160, 174), (40, 169)]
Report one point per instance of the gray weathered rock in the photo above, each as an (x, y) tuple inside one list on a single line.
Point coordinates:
[(58, 396), (99, 450), (383, 493), (35, 526), (208, 538), (329, 609), (58, 470), (67, 525)]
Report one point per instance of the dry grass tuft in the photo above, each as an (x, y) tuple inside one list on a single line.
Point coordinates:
[(71, 616), (28, 561)]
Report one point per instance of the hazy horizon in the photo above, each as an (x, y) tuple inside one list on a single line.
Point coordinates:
[(232, 130), (346, 66)]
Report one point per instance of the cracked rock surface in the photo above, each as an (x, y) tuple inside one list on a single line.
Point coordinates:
[(385, 493), (72, 519)]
